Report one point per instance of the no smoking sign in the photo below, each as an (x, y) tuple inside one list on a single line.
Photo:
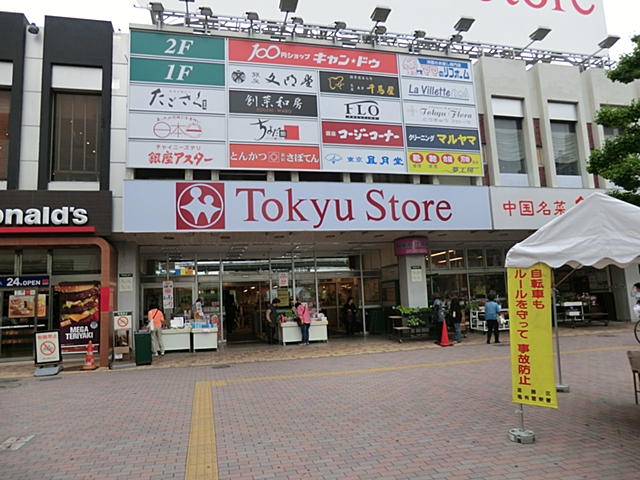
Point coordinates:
[(122, 320), (47, 347)]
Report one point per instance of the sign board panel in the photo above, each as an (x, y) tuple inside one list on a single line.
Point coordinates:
[(283, 279), (47, 347), (576, 25), (167, 294), (122, 320), (295, 206), (249, 110)]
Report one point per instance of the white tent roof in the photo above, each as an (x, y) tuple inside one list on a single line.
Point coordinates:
[(597, 232)]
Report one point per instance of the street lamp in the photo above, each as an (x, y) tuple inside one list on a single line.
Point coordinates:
[(537, 36), (417, 35), (206, 12), (462, 25), (187, 20), (379, 15), (288, 6), (608, 42)]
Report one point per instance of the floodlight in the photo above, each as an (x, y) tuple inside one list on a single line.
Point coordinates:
[(380, 14), (157, 11), (156, 7), (297, 20), (340, 25), (419, 34), (457, 38), (608, 42), (186, 15), (33, 29), (206, 11), (540, 34), (252, 16), (288, 5), (464, 24)]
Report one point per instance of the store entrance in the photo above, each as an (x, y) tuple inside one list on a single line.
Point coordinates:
[(244, 306)]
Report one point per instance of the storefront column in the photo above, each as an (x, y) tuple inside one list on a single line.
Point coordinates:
[(128, 280), (413, 284)]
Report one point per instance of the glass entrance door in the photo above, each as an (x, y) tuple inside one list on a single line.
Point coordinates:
[(244, 305), (22, 313)]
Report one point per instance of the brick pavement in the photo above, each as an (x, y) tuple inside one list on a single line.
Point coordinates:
[(374, 409)]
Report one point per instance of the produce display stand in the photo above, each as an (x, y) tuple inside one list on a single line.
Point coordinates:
[(575, 312), (176, 339), (404, 333), (205, 338), (477, 321)]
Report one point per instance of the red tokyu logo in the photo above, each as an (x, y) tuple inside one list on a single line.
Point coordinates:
[(200, 206)]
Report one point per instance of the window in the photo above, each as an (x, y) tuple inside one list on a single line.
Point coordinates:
[(76, 138), (5, 106), (244, 175), (158, 174), (391, 178), (510, 140), (611, 133), (565, 147), (320, 177)]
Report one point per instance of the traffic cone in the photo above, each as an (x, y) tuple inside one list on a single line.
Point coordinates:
[(444, 341), (88, 361)]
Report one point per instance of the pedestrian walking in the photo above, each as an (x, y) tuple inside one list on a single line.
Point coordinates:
[(491, 312)]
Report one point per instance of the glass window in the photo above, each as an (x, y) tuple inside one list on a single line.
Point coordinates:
[(450, 285), (494, 257), (565, 147), (439, 260), (7, 262), (34, 262), (482, 285), (391, 178), (510, 140), (76, 137), (158, 174), (611, 133), (475, 258), (202, 175), (456, 258), (71, 261), (320, 176), (241, 175), (5, 107)]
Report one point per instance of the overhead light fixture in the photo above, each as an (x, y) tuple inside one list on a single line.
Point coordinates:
[(380, 30), (157, 13), (252, 16), (380, 14), (608, 42), (187, 20), (206, 12), (297, 20), (339, 25), (464, 24), (288, 5), (537, 36), (417, 35), (33, 29)]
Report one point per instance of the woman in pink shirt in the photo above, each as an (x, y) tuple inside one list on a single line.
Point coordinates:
[(305, 322)]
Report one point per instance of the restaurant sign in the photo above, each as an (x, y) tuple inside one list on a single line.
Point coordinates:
[(284, 206)]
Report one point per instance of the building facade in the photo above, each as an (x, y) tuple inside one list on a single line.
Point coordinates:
[(243, 168)]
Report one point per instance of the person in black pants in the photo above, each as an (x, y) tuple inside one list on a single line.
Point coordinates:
[(349, 311), (272, 320), (491, 312)]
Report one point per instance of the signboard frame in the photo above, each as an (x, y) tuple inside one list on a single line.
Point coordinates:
[(47, 338)]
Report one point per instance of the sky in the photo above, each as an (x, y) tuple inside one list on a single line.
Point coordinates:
[(622, 16)]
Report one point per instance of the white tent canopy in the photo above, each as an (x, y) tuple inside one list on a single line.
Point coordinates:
[(599, 231)]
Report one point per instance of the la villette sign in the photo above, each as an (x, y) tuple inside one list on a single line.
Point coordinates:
[(52, 212), (297, 206)]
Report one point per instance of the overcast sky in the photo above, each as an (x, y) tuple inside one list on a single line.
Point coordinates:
[(623, 16)]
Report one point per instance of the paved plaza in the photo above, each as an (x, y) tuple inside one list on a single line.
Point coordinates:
[(349, 409)]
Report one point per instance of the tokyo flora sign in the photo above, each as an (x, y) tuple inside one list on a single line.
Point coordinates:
[(280, 206), (216, 103)]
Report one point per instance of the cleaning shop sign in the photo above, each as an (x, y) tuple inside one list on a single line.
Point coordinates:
[(152, 206)]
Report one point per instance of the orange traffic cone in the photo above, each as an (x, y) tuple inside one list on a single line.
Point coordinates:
[(444, 341), (88, 361)]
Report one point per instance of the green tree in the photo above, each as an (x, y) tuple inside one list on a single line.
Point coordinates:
[(619, 158)]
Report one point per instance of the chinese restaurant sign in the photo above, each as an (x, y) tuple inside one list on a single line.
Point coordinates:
[(530, 304), (198, 102)]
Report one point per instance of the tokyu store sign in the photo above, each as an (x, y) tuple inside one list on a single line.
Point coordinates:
[(577, 25), (162, 206), (202, 102)]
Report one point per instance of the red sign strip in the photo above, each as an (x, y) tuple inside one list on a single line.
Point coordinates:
[(47, 230)]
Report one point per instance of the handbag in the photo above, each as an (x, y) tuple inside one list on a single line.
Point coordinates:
[(501, 320), (151, 325)]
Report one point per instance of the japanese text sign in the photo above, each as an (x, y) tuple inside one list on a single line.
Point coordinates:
[(530, 307), (47, 347)]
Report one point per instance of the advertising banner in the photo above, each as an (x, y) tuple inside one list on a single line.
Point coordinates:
[(530, 208), (354, 109), (79, 316), (167, 295), (316, 97), (274, 79), (193, 155), (295, 206), (440, 162), (25, 306), (357, 159), (171, 99), (532, 368), (273, 130), (177, 127)]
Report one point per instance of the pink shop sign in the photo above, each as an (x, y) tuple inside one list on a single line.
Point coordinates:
[(411, 246)]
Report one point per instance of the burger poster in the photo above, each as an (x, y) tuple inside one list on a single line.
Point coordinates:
[(23, 306), (79, 316)]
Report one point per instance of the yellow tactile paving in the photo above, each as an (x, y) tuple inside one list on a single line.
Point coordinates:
[(202, 462)]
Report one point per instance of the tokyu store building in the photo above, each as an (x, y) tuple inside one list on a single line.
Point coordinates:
[(313, 164)]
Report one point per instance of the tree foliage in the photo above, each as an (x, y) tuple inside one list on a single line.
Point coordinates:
[(619, 158)]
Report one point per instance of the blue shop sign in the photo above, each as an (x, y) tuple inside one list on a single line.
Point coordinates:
[(23, 282)]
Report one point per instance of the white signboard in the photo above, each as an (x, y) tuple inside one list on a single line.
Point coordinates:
[(355, 159), (177, 127), (356, 109), (273, 130), (576, 25), (176, 99), (294, 206), (440, 115), (167, 294), (122, 320), (48, 347), (196, 155), (436, 68), (125, 282), (531, 208), (283, 279), (437, 91), (273, 79), (416, 273)]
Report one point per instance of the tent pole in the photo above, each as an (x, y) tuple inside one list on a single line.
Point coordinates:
[(560, 387)]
